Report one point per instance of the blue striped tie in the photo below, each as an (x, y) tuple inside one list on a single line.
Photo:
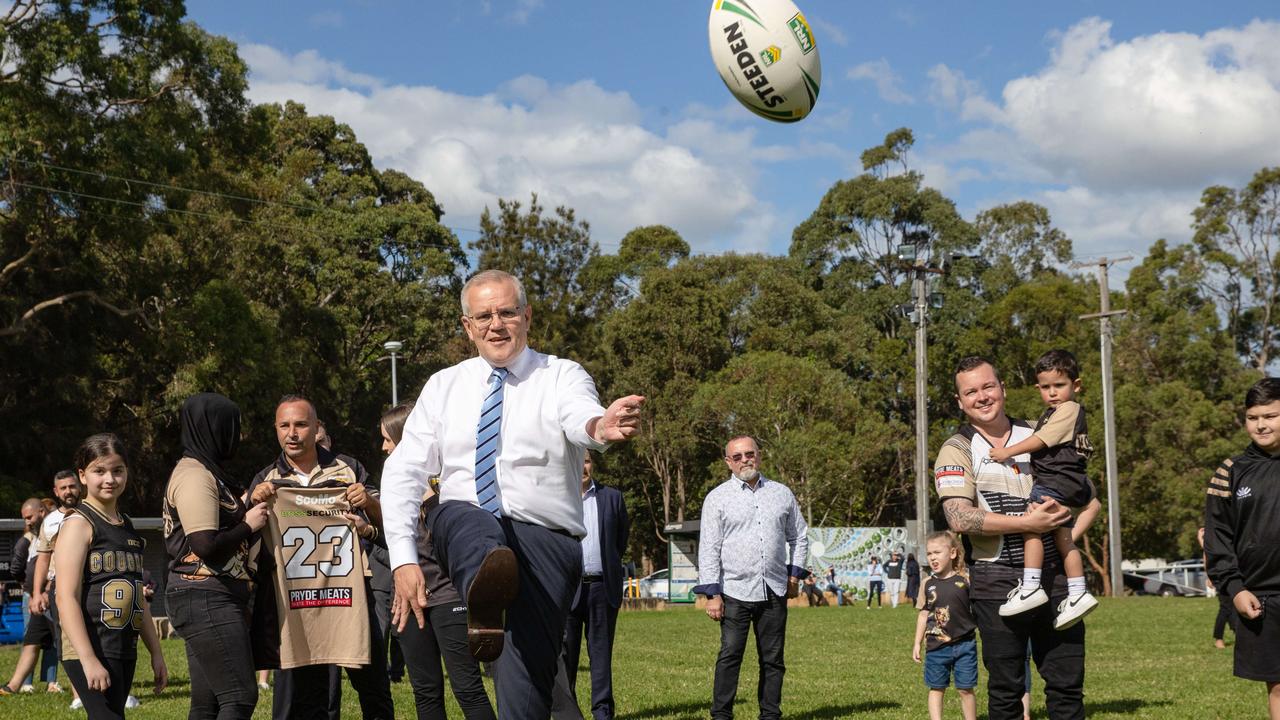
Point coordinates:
[(487, 431)]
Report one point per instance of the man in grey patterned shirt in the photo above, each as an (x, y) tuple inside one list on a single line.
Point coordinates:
[(751, 554)]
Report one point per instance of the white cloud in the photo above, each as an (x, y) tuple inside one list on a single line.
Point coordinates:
[(1104, 223), (1172, 110), (1117, 138), (579, 145), (951, 89), (828, 32), (885, 79), (268, 66)]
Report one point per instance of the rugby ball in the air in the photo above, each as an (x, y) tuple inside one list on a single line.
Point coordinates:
[(767, 56)]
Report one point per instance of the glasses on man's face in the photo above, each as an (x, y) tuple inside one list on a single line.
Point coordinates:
[(739, 457), (504, 315)]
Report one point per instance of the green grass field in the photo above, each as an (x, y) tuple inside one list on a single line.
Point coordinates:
[(1147, 658)]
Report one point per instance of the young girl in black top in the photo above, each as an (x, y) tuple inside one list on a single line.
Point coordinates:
[(100, 589)]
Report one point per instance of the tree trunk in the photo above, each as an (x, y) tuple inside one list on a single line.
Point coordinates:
[(1099, 567)]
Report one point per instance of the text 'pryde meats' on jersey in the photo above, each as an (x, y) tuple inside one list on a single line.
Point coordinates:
[(319, 579)]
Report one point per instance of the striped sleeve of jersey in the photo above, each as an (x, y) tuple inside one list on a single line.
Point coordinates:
[(1222, 563), (953, 469), (1220, 482)]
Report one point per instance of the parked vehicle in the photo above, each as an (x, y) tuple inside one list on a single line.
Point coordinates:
[(656, 585), (1184, 578)]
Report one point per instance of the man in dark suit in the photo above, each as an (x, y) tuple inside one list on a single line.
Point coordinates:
[(595, 607)]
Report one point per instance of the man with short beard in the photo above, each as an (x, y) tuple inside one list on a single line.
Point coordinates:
[(67, 491), (751, 553)]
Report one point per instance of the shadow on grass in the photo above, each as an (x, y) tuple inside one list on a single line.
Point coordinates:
[(1121, 707), (831, 712), (1128, 706), (693, 711)]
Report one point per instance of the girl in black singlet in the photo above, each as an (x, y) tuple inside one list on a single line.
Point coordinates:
[(99, 590)]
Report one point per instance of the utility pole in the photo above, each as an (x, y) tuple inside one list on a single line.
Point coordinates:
[(915, 252), (1108, 415)]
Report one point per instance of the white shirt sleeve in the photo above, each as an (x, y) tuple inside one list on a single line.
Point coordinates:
[(579, 405), (406, 473)]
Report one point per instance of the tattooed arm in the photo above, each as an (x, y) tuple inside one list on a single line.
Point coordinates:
[(965, 517)]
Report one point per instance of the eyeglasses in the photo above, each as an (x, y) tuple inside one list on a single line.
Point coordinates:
[(505, 315), (739, 457)]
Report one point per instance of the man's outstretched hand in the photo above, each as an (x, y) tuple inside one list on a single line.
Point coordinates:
[(620, 422)]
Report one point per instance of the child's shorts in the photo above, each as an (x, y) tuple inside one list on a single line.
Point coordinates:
[(1040, 493), (1258, 643), (960, 658)]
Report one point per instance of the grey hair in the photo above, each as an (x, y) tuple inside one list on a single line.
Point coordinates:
[(736, 438), (486, 277)]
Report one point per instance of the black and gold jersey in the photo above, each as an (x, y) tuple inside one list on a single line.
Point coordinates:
[(194, 500), (950, 612), (1061, 465), (111, 587)]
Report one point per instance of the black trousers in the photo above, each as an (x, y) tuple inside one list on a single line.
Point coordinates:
[(550, 567), (598, 619), (444, 638), (874, 588), (215, 627), (306, 693), (108, 705), (1226, 616), (769, 620), (1058, 654)]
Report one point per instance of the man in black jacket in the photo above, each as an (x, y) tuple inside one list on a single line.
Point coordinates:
[(1242, 509), (595, 607)]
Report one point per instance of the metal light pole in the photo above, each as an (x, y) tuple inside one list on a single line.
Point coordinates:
[(915, 252), (918, 286), (393, 347)]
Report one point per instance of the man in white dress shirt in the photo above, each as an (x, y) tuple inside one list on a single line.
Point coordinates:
[(752, 547), (506, 433)]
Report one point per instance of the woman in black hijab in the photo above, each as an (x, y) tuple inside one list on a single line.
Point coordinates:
[(207, 533)]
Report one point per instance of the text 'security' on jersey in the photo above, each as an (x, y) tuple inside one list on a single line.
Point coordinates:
[(319, 579)]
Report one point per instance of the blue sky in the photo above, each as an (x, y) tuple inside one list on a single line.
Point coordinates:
[(1113, 115)]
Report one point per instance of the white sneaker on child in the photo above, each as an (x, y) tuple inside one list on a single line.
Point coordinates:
[(131, 702), (1020, 602), (1073, 610), (77, 704), (28, 688)]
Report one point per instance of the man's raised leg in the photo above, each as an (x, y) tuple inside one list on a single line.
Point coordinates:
[(550, 565), (473, 545)]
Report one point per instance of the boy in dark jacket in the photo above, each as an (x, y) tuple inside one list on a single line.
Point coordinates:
[(1242, 539)]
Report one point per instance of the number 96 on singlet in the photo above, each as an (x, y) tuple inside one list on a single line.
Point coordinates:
[(315, 557)]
